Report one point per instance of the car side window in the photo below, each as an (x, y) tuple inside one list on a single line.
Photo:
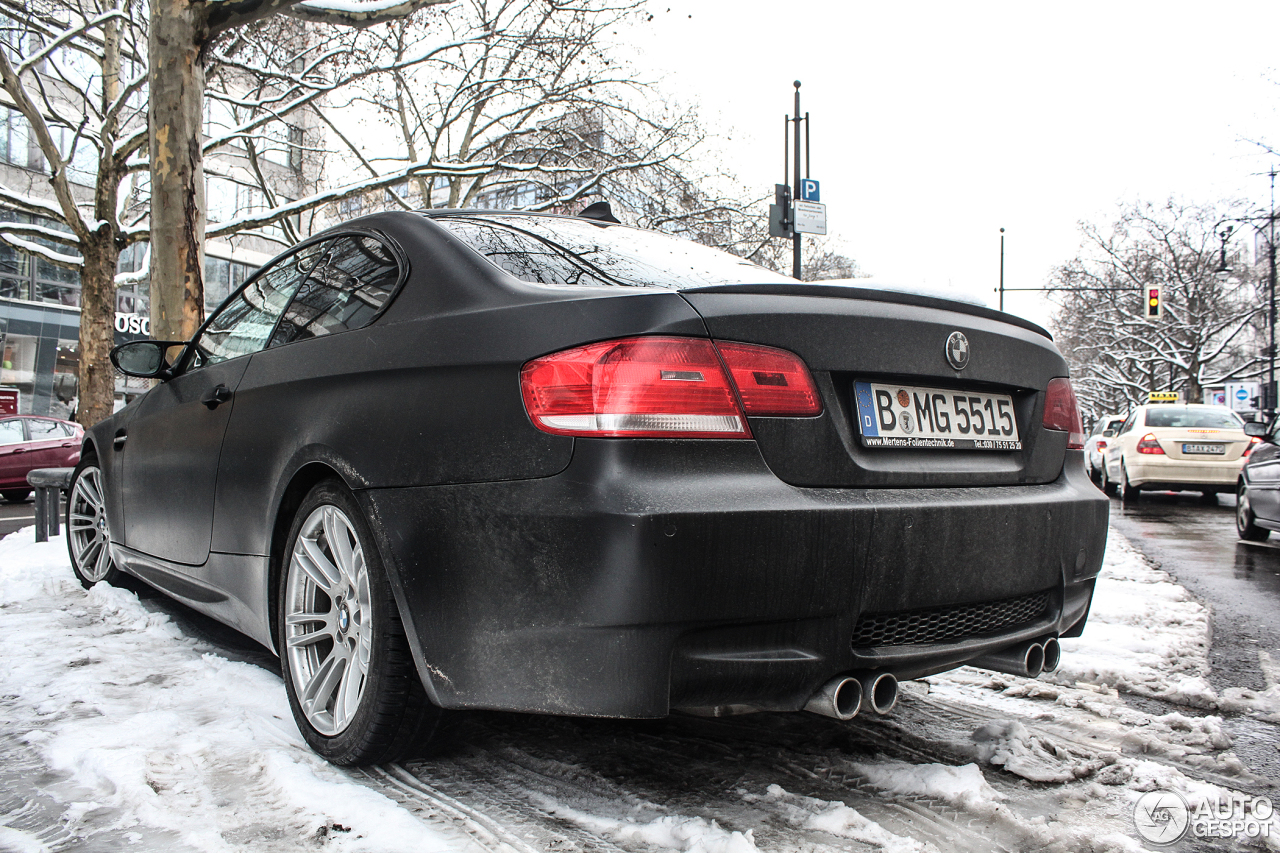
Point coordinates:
[(349, 284), (522, 255), (1128, 424), (244, 324), (45, 430), (11, 432)]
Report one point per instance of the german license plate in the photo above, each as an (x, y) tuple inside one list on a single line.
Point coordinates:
[(1211, 449), (945, 419)]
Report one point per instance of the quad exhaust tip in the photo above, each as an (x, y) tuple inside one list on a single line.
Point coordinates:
[(880, 691), (1052, 654), (840, 698), (1025, 659)]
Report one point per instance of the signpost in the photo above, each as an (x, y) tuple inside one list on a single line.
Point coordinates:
[(790, 217), (1243, 396), (8, 401)]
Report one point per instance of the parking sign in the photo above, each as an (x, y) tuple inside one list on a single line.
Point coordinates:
[(809, 190)]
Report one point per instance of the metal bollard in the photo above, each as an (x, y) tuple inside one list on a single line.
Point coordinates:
[(49, 484)]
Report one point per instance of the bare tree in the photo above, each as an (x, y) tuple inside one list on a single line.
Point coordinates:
[(76, 72), (1208, 331)]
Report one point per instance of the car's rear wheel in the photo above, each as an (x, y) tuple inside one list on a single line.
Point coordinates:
[(14, 496), (1245, 518), (1128, 491), (88, 532), (350, 676)]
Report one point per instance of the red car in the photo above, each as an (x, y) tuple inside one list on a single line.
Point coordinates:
[(31, 441)]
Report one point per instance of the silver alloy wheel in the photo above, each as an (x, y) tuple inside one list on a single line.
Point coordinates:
[(87, 526), (328, 620), (1243, 510)]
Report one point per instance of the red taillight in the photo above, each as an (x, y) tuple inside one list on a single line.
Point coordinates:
[(1248, 448), (1148, 444), (771, 382), (1062, 413), (664, 387), (1102, 444)]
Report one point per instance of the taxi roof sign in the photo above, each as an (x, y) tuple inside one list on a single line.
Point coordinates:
[(1164, 396)]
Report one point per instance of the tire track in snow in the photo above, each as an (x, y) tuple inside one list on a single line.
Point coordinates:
[(690, 768)]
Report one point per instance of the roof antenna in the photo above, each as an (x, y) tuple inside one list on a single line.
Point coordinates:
[(601, 211)]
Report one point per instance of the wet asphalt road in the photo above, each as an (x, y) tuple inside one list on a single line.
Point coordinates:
[(16, 515)]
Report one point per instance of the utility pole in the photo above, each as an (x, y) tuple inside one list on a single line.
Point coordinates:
[(801, 211)]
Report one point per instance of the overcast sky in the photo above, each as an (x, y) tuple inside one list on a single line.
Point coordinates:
[(937, 123)]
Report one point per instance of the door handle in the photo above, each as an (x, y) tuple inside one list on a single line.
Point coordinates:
[(216, 396), (18, 450), (119, 440)]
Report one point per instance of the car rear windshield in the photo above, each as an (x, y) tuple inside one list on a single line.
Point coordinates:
[(1176, 416), (554, 250)]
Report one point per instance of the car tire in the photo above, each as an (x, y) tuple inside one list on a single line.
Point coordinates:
[(88, 532), (15, 496), (1095, 476), (1245, 518), (348, 671), (1108, 487), (1128, 492)]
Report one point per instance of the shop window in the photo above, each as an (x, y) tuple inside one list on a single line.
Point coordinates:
[(18, 367)]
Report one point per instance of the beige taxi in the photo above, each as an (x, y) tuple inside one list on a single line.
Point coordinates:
[(1172, 447)]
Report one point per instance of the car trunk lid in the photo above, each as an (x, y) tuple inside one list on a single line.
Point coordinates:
[(849, 335)]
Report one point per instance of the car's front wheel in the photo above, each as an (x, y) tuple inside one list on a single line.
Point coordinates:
[(88, 533), (348, 670), (1245, 518)]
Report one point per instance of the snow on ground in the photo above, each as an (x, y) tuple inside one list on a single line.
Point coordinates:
[(120, 728), (160, 732)]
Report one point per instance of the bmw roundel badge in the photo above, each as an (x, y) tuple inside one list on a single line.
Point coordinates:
[(958, 350)]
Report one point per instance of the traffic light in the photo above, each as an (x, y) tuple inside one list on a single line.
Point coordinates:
[(1153, 305)]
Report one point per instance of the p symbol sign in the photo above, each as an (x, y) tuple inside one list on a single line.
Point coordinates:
[(809, 190)]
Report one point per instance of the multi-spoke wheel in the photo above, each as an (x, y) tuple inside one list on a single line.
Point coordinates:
[(351, 680), (88, 533), (1245, 519)]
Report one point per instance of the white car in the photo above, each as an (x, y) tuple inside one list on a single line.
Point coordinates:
[(1167, 447), (1096, 444)]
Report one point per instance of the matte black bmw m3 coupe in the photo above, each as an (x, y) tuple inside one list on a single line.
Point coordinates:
[(554, 464)]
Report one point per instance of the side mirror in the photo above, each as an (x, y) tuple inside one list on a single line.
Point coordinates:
[(1256, 429), (144, 359), (1108, 433)]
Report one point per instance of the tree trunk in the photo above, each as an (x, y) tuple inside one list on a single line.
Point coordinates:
[(97, 328), (179, 33), (97, 387)]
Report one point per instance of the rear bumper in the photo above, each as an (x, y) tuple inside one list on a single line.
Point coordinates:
[(652, 575), (1161, 473)]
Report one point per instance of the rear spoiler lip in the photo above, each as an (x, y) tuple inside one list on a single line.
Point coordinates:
[(873, 295)]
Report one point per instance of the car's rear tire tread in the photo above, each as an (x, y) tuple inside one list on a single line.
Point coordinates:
[(395, 718)]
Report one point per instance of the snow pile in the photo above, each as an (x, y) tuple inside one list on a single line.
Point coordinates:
[(963, 787), (669, 832), (1146, 634), (836, 818), (151, 731)]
